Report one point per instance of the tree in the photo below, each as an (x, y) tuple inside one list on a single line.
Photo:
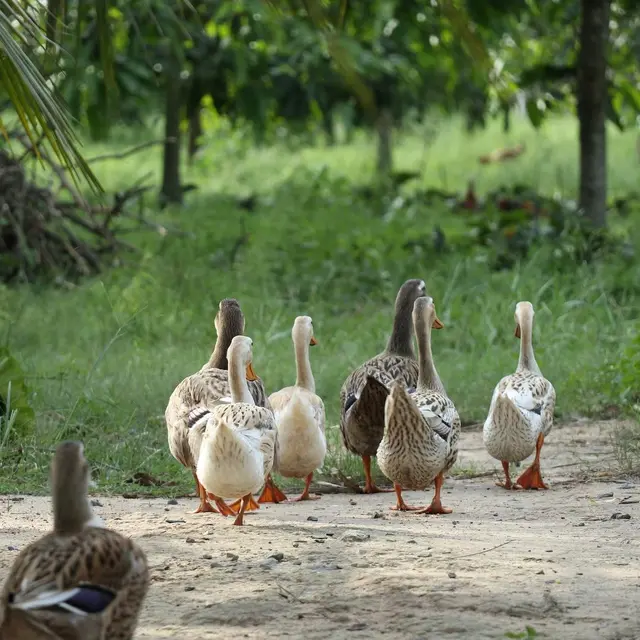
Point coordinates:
[(592, 95)]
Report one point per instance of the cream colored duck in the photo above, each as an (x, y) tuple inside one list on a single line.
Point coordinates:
[(300, 416), (421, 432), (521, 411), (238, 441), (80, 582), (205, 389), (365, 391)]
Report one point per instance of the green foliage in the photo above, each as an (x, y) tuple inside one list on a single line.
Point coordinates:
[(104, 356), (16, 414)]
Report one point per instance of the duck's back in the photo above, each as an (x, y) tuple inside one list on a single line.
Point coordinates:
[(95, 556), (385, 368)]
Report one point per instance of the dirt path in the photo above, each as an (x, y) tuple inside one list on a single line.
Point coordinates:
[(347, 567)]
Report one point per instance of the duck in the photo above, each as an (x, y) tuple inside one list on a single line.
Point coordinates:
[(238, 442), (300, 415), (421, 429), (521, 412), (365, 391), (204, 389), (82, 581)]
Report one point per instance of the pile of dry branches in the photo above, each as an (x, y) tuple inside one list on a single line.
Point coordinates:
[(53, 231)]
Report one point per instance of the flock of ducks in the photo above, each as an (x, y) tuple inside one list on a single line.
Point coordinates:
[(83, 581)]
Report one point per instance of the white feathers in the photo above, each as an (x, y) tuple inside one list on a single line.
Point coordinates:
[(301, 440), (231, 463)]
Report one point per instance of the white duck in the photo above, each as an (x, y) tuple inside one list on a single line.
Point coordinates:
[(421, 430), (236, 444), (521, 411), (300, 415)]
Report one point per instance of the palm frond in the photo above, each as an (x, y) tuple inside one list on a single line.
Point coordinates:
[(35, 101)]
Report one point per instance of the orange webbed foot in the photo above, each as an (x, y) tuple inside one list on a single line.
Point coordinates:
[(305, 496), (435, 508), (373, 488), (510, 486), (224, 508), (205, 507), (531, 478), (271, 493), (252, 505)]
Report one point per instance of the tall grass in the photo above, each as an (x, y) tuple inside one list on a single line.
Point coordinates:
[(103, 357)]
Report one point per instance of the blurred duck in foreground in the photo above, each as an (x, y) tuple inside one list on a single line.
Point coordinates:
[(80, 582), (421, 432), (521, 411), (235, 444), (204, 390), (300, 416), (364, 392)]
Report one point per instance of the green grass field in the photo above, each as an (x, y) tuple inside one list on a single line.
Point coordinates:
[(103, 358)]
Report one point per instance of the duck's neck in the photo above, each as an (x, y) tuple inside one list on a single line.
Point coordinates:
[(304, 376), (527, 360), (400, 339), (218, 359), (71, 508), (428, 378), (238, 383)]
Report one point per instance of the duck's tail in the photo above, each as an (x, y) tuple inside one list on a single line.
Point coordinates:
[(368, 407), (301, 442), (398, 408)]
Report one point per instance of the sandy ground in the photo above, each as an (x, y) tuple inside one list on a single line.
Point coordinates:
[(347, 567)]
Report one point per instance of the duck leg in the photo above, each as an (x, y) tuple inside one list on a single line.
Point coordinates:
[(271, 493), (436, 504), (401, 505), (245, 503), (369, 484), (305, 494), (205, 505), (506, 484), (252, 506), (224, 508), (531, 478)]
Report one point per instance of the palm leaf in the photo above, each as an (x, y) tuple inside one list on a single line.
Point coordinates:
[(34, 101)]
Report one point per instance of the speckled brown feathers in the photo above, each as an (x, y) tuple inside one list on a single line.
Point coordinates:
[(421, 437), (78, 582), (361, 400), (209, 386), (93, 557), (363, 396), (204, 389), (422, 429)]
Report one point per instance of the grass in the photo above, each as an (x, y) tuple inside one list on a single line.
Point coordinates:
[(103, 358)]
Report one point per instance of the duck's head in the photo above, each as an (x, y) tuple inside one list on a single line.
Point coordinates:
[(302, 332), (424, 312), (408, 293), (70, 478), (69, 466), (523, 315), (241, 351), (229, 319)]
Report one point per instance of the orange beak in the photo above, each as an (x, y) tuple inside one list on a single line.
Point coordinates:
[(251, 374), (517, 333), (313, 342), (437, 324)]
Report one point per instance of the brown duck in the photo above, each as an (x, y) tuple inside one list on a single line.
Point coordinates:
[(80, 582), (364, 392), (204, 390)]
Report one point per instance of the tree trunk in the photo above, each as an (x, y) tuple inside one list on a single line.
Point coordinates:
[(327, 125), (195, 131), (592, 101), (384, 126), (171, 187)]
